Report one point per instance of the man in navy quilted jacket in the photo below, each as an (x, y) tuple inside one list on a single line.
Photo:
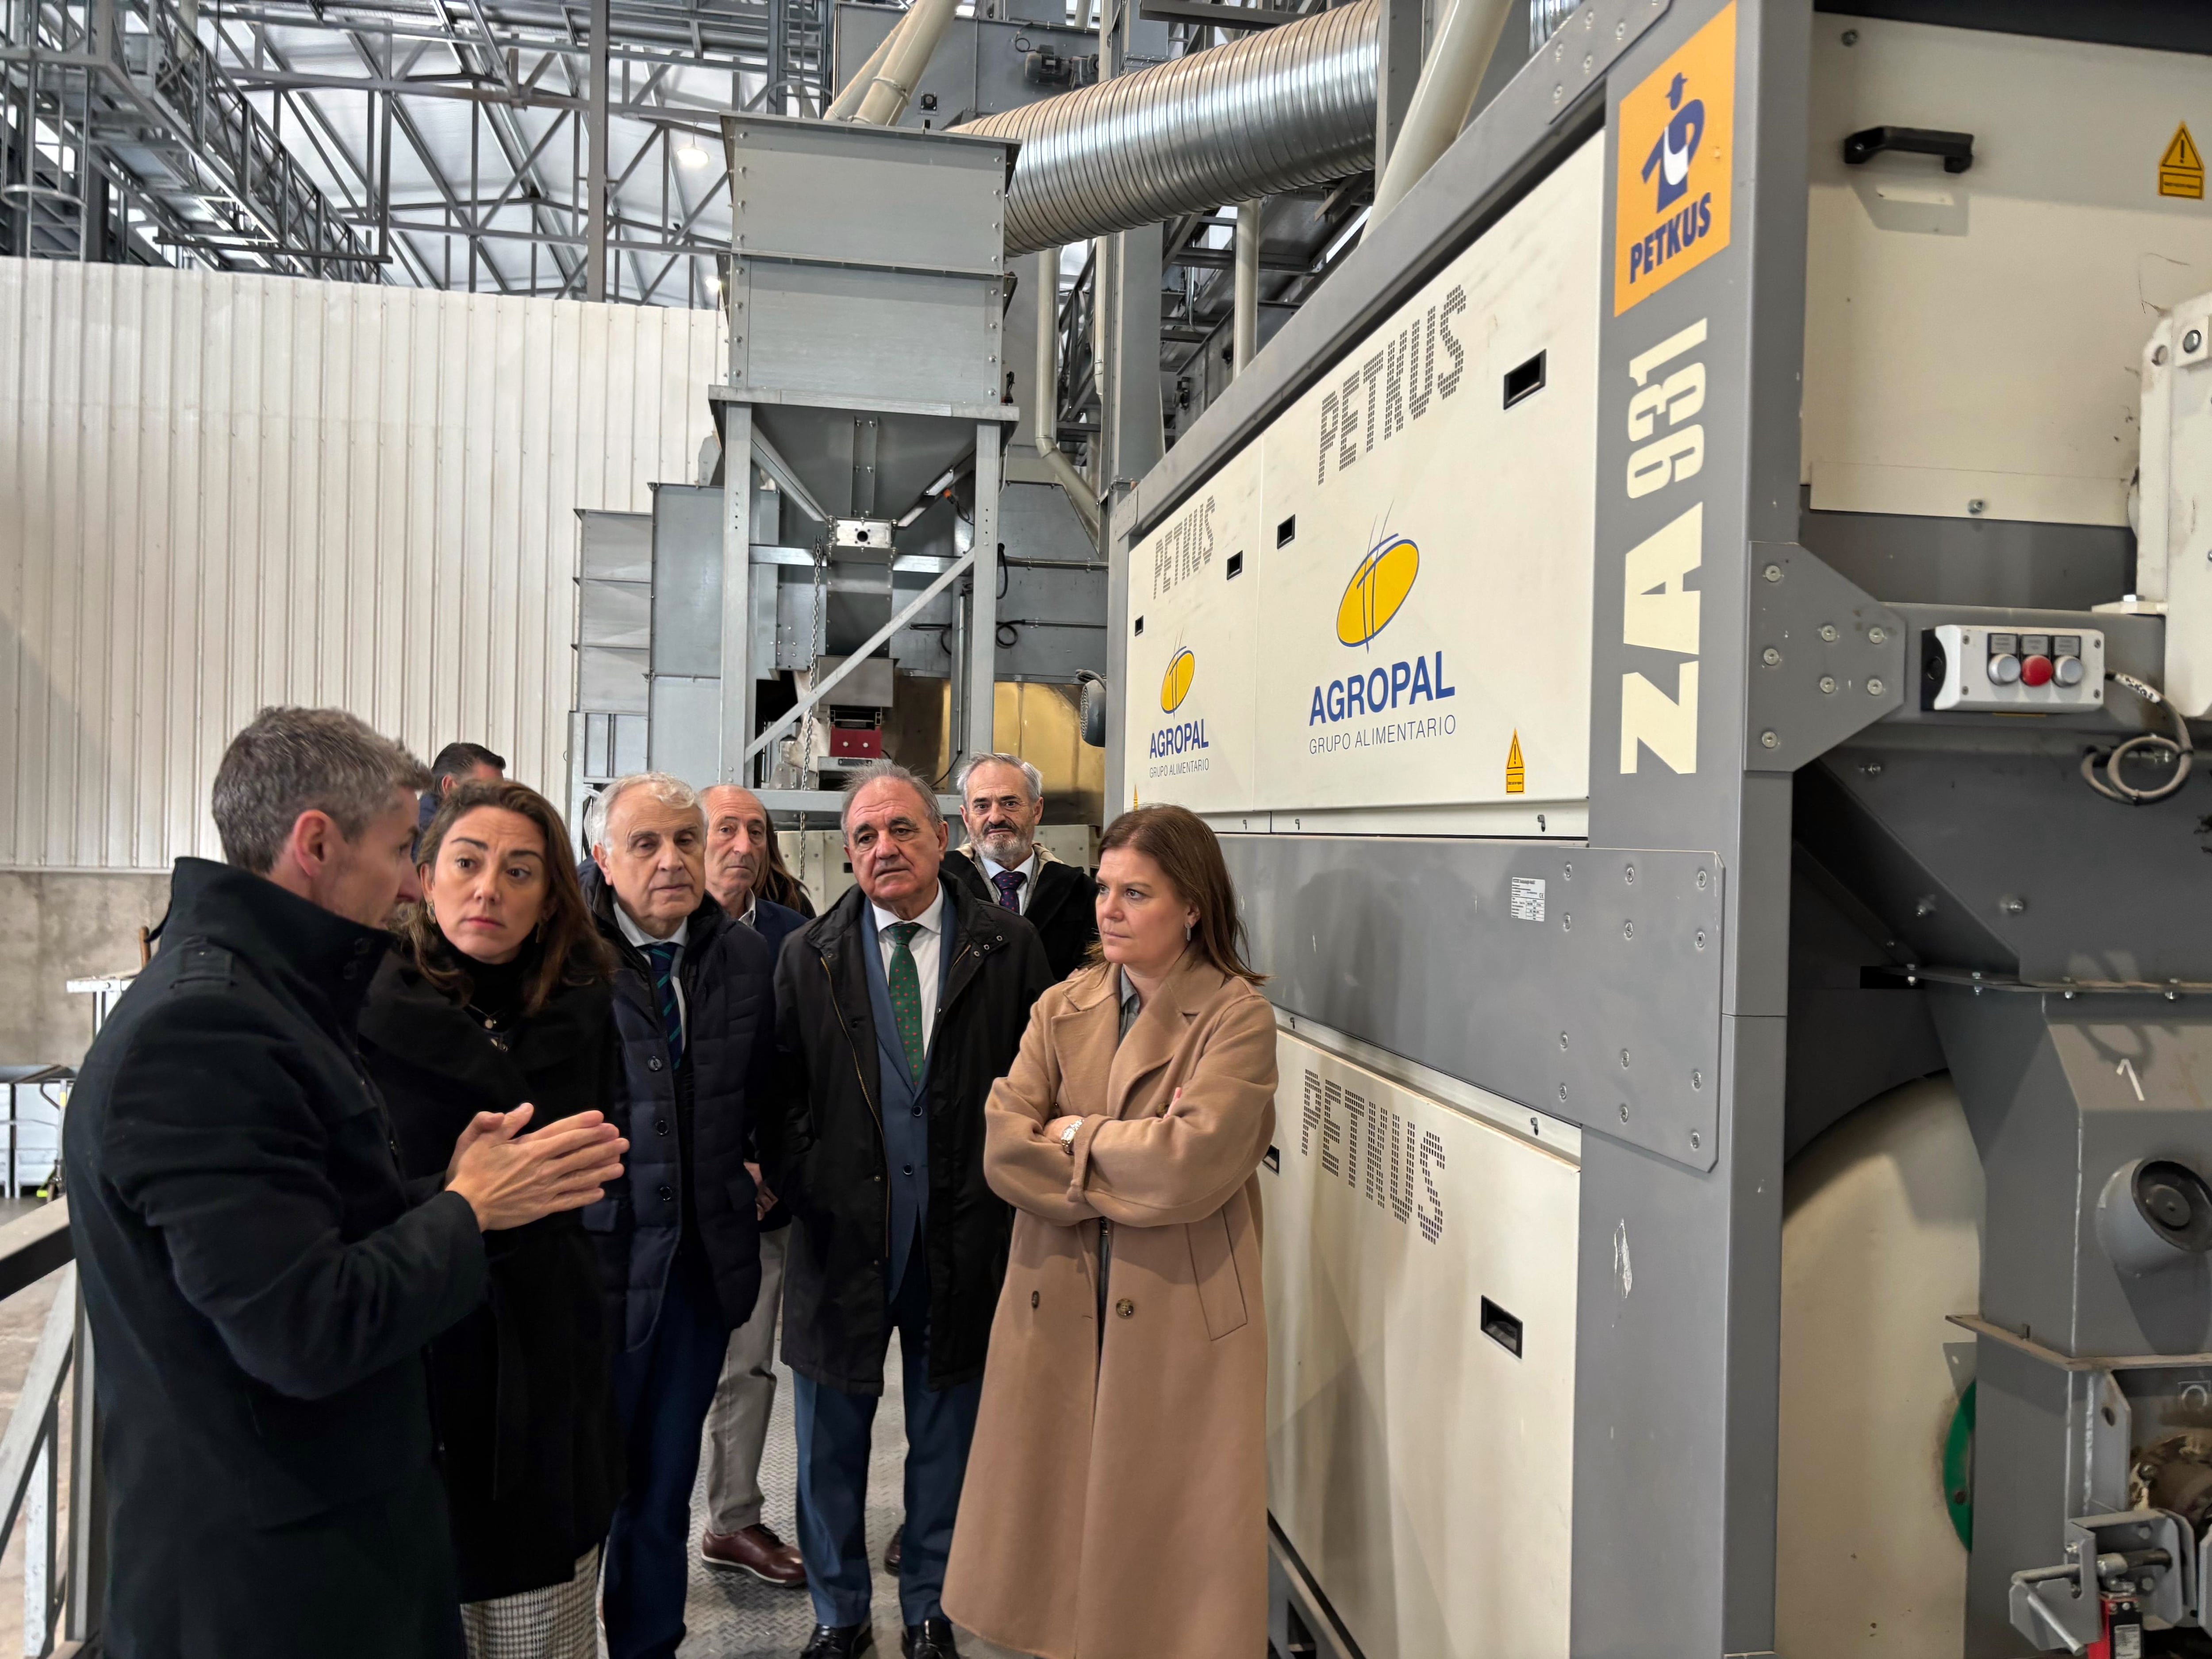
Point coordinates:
[(678, 1236)]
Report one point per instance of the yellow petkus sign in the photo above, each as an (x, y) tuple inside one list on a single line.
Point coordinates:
[(1677, 147)]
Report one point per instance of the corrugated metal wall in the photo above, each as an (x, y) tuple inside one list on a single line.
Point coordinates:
[(219, 492)]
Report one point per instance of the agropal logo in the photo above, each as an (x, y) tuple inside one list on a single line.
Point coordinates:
[(1381, 584), (1377, 589), (1183, 737), (1175, 685)]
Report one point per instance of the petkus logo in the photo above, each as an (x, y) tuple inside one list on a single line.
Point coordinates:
[(1671, 208), (1669, 160), (1175, 687), (1380, 586)]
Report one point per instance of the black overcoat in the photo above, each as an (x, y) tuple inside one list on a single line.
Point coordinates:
[(261, 1283), (1063, 909), (824, 1144), (521, 1390)]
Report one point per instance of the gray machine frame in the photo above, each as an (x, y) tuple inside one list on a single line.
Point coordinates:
[(2000, 919)]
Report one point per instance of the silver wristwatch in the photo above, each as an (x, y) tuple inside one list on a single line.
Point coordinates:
[(1067, 1138)]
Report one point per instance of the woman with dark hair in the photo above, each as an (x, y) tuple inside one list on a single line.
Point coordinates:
[(496, 994), (1117, 1496)]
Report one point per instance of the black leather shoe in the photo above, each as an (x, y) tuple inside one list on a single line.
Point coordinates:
[(892, 1550), (930, 1640), (839, 1642)]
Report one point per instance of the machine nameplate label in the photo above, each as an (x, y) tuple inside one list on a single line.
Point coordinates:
[(1528, 901)]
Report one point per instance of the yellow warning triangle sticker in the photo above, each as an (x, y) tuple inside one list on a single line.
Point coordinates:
[(2181, 169), (1516, 774)]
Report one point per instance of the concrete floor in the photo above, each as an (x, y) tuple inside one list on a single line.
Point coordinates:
[(733, 1615)]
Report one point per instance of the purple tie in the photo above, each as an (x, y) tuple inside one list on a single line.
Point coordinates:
[(1009, 884)]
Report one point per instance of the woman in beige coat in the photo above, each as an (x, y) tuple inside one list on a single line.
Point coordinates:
[(1116, 1496)]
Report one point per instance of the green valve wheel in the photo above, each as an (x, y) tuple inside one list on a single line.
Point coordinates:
[(1958, 1468)]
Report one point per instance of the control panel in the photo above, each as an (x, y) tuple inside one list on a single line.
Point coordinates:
[(2016, 673)]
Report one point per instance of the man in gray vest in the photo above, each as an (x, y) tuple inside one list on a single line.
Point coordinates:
[(895, 1012)]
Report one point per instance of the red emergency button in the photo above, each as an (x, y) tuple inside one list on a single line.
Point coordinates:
[(2035, 671)]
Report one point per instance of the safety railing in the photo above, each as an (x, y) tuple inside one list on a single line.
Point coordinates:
[(64, 1567)]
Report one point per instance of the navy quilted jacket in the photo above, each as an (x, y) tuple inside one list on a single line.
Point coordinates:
[(690, 1124)]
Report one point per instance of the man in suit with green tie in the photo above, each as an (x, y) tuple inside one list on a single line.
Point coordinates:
[(896, 1011)]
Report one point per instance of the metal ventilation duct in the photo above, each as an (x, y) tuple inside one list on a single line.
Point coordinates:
[(1280, 109)]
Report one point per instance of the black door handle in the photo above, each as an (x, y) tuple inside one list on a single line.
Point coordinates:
[(1957, 149)]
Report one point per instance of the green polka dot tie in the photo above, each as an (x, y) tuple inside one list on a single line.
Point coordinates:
[(906, 992)]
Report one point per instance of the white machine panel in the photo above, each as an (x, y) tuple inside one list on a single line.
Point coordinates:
[(1195, 616), (1420, 1281), (1971, 338), (1428, 506), (2173, 562), (2021, 672)]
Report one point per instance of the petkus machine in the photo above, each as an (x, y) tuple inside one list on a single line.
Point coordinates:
[(1662, 630)]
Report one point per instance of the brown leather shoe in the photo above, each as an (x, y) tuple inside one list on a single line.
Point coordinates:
[(758, 1551)]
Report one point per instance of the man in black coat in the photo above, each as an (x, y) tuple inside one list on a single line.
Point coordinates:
[(895, 1012), (1001, 803), (260, 1278), (679, 1234)]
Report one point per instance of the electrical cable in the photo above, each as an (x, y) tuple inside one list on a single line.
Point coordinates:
[(2112, 785)]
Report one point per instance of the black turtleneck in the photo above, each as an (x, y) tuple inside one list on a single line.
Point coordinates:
[(498, 990)]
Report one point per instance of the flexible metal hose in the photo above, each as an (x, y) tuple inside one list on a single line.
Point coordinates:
[(1282, 109)]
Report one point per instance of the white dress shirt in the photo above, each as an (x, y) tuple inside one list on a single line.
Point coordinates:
[(1027, 870), (637, 936), (924, 948)]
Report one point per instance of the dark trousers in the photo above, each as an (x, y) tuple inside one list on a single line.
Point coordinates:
[(834, 1429), (662, 1390)]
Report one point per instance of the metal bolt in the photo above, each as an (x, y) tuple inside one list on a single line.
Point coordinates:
[(1588, 59), (1827, 686), (1567, 872), (1563, 1043), (1976, 505), (1925, 905), (1696, 1140), (1702, 879), (1559, 94), (1874, 687), (1624, 1059), (1621, 29), (1850, 37), (1877, 634), (1628, 875), (1828, 632), (1623, 1111), (2012, 904), (1768, 740), (1566, 924), (1772, 573), (1770, 657), (1872, 769), (2193, 339), (1628, 930), (1563, 1092), (1697, 1079), (1701, 939)]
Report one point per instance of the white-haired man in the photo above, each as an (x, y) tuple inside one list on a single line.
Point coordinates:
[(1002, 804), (678, 1236)]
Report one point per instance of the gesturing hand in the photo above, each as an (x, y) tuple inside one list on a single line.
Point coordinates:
[(511, 1179)]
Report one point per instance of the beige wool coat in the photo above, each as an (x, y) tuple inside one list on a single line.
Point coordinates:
[(1116, 1501)]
